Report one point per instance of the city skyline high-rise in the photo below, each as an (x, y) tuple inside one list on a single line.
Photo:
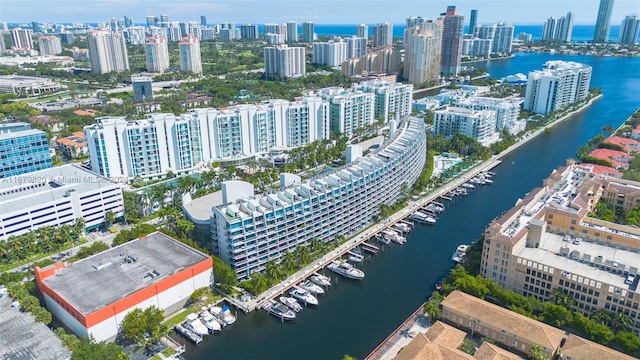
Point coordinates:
[(157, 53), (107, 51), (307, 32), (49, 45), (601, 34), (22, 38), (629, 29), (284, 61), (383, 34), (452, 36), (473, 21), (190, 54), (362, 31), (423, 52), (292, 31)]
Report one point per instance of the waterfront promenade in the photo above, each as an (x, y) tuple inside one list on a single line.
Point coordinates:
[(357, 239)]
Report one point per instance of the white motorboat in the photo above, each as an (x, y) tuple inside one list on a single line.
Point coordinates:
[(468, 186), (311, 287), (403, 227), (209, 321), (291, 303), (320, 280), (223, 315), (345, 269), (193, 323), (462, 248), (355, 257), (303, 296), (393, 236), (422, 217), (459, 255), (383, 239), (188, 333), (279, 310)]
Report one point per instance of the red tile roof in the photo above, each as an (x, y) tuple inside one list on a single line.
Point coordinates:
[(628, 144), (602, 170), (618, 159)]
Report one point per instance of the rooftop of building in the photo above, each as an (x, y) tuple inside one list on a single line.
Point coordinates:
[(21, 80), (602, 170), (140, 79), (579, 348), (102, 279), (564, 65), (22, 133), (202, 208), (513, 323), (24, 191), (21, 337)]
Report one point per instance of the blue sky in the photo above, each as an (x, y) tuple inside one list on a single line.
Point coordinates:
[(319, 11)]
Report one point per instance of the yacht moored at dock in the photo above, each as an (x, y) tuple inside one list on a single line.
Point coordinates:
[(422, 217), (194, 324), (209, 321), (279, 310), (345, 269), (303, 296), (320, 280), (223, 314), (291, 303), (311, 287), (189, 334), (460, 253)]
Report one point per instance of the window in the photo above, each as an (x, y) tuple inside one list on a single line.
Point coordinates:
[(478, 328)]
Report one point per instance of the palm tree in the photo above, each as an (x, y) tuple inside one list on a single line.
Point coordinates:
[(78, 226), (620, 322), (304, 255), (273, 270), (109, 217), (601, 316), (289, 261), (316, 246)]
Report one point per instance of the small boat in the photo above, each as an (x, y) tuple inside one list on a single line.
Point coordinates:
[(459, 255), (488, 181), (382, 239), (209, 321), (223, 315), (320, 280), (345, 269), (402, 227), (468, 186), (355, 257), (304, 296), (311, 287), (393, 236), (194, 324), (279, 310), (291, 303), (192, 336), (422, 217)]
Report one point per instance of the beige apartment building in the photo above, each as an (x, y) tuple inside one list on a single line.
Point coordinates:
[(547, 240)]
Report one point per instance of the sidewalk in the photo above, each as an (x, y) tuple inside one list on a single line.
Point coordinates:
[(391, 346)]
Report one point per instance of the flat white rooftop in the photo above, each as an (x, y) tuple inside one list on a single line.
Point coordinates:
[(104, 278)]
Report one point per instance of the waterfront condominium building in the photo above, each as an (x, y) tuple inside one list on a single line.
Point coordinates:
[(183, 144), (362, 31), (331, 53), (274, 39), (629, 29), (349, 110), (22, 38), (473, 21), (275, 29), (107, 51), (391, 100), (548, 241), (452, 35), (502, 38), (157, 54), (559, 84), (249, 31), (422, 52), (285, 61), (308, 33), (476, 124), (601, 34), (507, 111), (57, 196), (356, 47), (247, 231), (383, 34), (190, 55), (292, 31), (558, 29), (49, 45), (22, 150)]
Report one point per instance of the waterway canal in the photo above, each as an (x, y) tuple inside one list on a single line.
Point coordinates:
[(354, 317)]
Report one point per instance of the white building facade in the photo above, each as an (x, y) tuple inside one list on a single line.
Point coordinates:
[(284, 61), (331, 53), (507, 111), (190, 55), (157, 54), (249, 230), (107, 51), (559, 84), (479, 125)]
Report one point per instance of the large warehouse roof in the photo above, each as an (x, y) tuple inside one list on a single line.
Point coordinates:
[(97, 281)]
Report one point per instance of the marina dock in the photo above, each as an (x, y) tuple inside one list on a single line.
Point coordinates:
[(361, 238)]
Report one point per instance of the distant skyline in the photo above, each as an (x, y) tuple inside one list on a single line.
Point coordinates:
[(318, 11)]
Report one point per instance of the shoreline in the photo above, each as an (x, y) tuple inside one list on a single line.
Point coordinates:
[(489, 59)]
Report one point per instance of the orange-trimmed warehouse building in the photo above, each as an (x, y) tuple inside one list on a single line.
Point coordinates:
[(93, 295)]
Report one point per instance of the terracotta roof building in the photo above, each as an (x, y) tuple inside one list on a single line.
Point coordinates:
[(619, 159), (629, 145), (74, 145), (506, 327), (577, 348)]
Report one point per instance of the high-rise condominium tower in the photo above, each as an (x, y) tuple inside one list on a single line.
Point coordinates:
[(22, 38), (474, 21), (629, 29), (383, 34), (422, 52), (190, 54), (452, 36), (157, 52), (362, 31), (307, 32), (601, 34), (107, 51), (292, 31)]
